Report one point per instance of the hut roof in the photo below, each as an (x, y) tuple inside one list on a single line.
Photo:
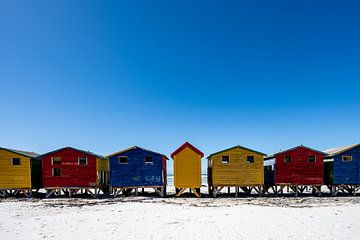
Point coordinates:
[(237, 146), (83, 151), (21, 152), (338, 150), (133, 148), (271, 156), (187, 144)]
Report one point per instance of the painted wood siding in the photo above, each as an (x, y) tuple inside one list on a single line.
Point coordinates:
[(299, 171), (72, 174), (102, 165), (137, 173), (14, 177), (187, 169), (237, 172), (347, 172)]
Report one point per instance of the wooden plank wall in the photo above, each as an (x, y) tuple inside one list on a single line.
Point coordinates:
[(187, 169)]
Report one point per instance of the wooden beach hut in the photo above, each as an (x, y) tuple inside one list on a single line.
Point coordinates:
[(341, 172), (187, 169), (238, 167), (20, 172), (297, 169), (70, 170), (135, 168)]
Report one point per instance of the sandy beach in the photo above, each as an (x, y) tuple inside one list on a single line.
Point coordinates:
[(150, 217)]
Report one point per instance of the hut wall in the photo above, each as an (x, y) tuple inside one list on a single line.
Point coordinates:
[(187, 169), (238, 172), (347, 172), (14, 177), (71, 173), (299, 171), (136, 172)]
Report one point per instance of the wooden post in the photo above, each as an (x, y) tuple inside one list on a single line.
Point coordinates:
[(136, 192), (236, 191), (228, 190)]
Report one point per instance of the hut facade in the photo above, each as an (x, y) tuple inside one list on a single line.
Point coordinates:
[(135, 168), (297, 168), (342, 169), (20, 172), (238, 167), (70, 170), (187, 169)]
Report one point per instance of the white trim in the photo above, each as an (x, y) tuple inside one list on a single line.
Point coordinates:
[(83, 164), (149, 163), (225, 162), (345, 156), (53, 170), (12, 161), (52, 161), (247, 162)]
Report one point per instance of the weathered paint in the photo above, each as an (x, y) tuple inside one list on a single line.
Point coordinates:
[(238, 172), (23, 176), (339, 172), (299, 171), (187, 167), (72, 174), (137, 173)]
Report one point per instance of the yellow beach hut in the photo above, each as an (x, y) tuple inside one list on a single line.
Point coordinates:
[(20, 172), (187, 169), (238, 167)]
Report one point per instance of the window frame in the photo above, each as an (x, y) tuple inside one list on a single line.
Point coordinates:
[(127, 159), (86, 161), (12, 161), (149, 163), (225, 162), (52, 161), (314, 158), (247, 159), (53, 172), (289, 160), (344, 156)]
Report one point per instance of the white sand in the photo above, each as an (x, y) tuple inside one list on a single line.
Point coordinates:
[(184, 218)]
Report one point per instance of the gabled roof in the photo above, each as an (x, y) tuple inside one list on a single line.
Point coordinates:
[(290, 149), (83, 151), (338, 150), (134, 148), (21, 152), (237, 146), (187, 144)]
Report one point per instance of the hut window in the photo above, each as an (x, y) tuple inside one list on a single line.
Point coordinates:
[(225, 159), (56, 160), (15, 161), (123, 159), (149, 160), (82, 160), (56, 172), (287, 159), (312, 159), (250, 159), (346, 158)]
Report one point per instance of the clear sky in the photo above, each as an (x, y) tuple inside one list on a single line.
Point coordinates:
[(106, 75)]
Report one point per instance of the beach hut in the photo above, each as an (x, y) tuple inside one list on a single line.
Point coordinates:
[(20, 172), (135, 168), (296, 168), (238, 167), (342, 169), (70, 170), (187, 169)]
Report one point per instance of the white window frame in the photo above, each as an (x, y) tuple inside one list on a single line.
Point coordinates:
[(53, 172), (344, 156), (225, 162), (12, 161), (52, 161), (312, 156), (86, 163), (150, 163), (127, 159)]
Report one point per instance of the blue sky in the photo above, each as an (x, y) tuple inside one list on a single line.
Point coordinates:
[(103, 76)]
